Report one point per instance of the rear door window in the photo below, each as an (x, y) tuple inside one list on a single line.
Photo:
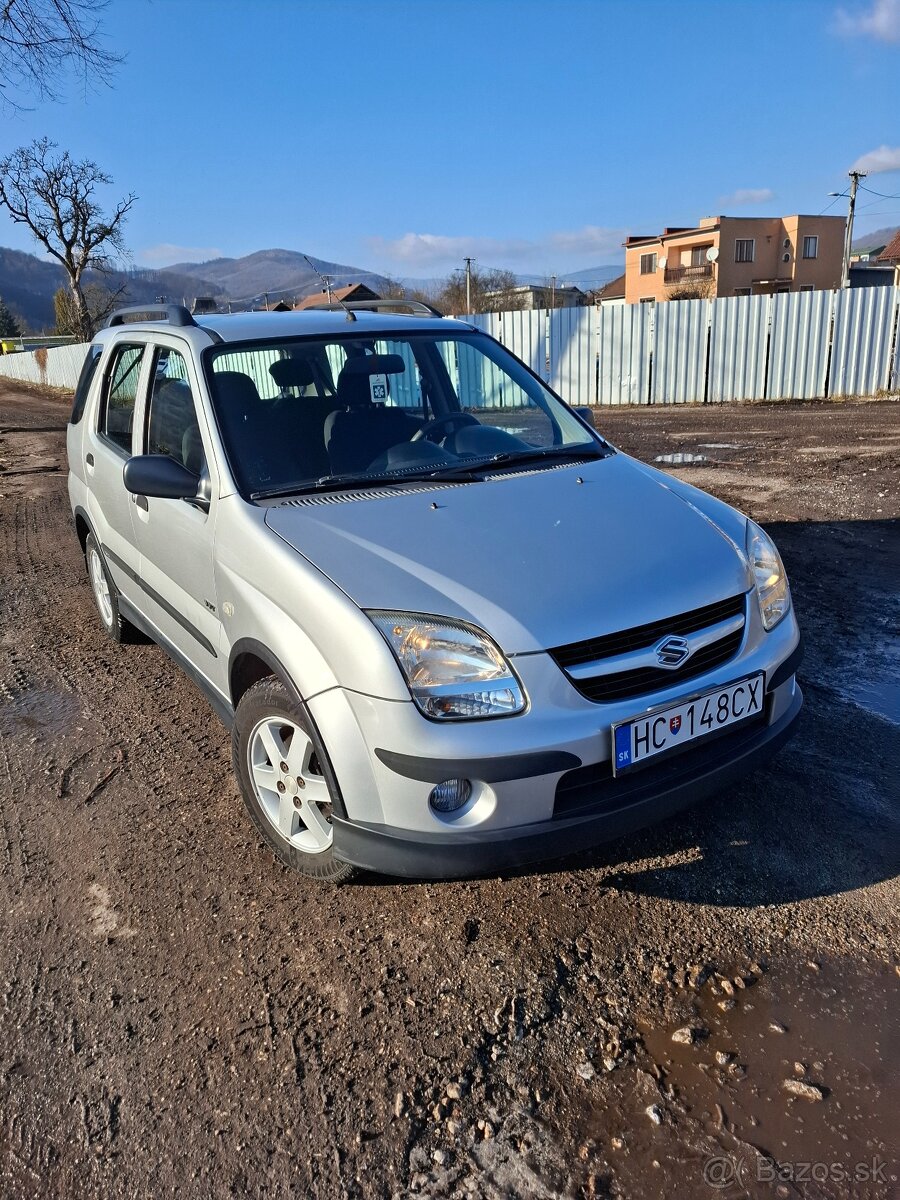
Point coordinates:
[(117, 412)]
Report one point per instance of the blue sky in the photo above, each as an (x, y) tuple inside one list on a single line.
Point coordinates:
[(401, 135)]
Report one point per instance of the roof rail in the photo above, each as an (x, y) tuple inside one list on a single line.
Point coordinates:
[(417, 308), (174, 314)]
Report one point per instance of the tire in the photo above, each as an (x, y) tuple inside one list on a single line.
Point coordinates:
[(278, 761), (106, 596)]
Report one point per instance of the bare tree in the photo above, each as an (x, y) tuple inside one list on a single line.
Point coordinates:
[(99, 299), (691, 289), (39, 39), (491, 289), (54, 196)]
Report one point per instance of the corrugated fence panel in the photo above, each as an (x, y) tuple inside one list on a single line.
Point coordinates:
[(737, 349), (623, 338), (864, 322), (57, 367), (573, 355), (524, 333), (798, 345), (679, 352)]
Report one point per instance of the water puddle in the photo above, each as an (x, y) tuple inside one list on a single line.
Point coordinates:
[(682, 459), (768, 1078), (38, 710), (876, 696)]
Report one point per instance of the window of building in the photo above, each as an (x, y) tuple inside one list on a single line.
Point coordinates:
[(698, 256), (782, 289), (810, 247), (743, 249), (117, 412), (806, 287), (648, 263), (648, 300), (742, 291)]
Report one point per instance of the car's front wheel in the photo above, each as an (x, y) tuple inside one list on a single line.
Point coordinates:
[(278, 763)]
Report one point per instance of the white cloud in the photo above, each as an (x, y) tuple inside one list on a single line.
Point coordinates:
[(562, 249), (167, 253), (885, 158), (881, 20), (747, 196)]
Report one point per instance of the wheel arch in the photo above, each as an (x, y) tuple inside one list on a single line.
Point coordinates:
[(250, 661), (83, 526)]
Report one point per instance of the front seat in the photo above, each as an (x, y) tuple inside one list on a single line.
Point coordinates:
[(303, 417), (247, 426), (360, 431)]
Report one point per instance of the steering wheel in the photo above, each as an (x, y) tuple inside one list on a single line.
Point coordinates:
[(451, 420)]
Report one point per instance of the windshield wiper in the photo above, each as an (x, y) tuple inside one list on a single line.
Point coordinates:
[(330, 483), (586, 450)]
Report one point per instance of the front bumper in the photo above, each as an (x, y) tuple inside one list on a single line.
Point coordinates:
[(594, 809)]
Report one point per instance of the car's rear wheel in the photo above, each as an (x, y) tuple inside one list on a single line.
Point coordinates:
[(278, 761), (106, 597)]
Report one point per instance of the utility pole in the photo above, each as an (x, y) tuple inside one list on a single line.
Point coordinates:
[(468, 262), (553, 291), (855, 177)]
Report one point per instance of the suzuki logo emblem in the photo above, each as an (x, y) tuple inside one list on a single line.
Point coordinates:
[(672, 652)]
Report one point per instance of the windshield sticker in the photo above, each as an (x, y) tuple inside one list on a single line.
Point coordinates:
[(378, 388)]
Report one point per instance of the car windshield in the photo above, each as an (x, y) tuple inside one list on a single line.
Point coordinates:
[(306, 414)]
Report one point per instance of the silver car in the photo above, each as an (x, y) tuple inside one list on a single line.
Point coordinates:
[(452, 628)]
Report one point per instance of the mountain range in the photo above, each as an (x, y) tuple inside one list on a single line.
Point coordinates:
[(27, 283), (878, 237)]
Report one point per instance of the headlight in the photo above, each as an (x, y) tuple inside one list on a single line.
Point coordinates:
[(454, 672), (768, 575)]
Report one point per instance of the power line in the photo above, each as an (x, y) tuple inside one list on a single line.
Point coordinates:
[(883, 195)]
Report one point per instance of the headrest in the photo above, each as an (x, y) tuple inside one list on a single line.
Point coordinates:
[(292, 372), (234, 390)]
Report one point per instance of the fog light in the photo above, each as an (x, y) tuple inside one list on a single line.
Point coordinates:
[(450, 795)]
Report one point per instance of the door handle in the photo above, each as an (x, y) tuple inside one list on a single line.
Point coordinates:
[(141, 502), (89, 459)]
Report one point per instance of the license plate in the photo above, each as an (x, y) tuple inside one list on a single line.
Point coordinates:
[(636, 741)]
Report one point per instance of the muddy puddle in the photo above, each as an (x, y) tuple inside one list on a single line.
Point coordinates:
[(879, 691), (37, 710), (779, 1083)]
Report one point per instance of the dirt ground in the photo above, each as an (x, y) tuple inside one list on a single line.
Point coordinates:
[(180, 1016)]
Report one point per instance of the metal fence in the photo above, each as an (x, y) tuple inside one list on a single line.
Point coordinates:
[(57, 367), (799, 345)]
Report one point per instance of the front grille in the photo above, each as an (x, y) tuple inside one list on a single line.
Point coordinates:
[(622, 685)]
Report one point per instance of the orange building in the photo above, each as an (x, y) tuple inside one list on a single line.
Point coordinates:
[(735, 256)]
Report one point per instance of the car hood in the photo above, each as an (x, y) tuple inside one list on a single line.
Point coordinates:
[(537, 559)]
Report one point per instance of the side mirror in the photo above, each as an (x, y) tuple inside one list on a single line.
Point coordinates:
[(159, 475), (587, 415)]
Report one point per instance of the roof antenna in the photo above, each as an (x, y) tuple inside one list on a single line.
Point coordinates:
[(351, 315)]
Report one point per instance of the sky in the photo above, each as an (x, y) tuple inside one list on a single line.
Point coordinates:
[(403, 135)]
